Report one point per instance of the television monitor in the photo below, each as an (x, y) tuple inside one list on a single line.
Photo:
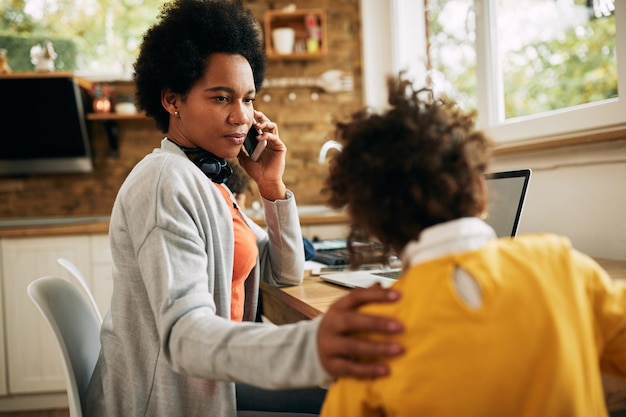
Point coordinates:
[(44, 129)]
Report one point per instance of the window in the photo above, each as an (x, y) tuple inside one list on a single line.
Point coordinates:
[(105, 33), (534, 69)]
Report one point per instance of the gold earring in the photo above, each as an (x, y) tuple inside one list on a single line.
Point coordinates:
[(484, 215)]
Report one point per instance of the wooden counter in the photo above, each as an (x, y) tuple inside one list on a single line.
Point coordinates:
[(54, 226), (100, 224)]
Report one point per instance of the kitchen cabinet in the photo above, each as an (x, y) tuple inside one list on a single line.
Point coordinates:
[(33, 363), (100, 278), (310, 33)]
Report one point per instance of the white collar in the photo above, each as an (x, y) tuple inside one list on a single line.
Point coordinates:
[(455, 236)]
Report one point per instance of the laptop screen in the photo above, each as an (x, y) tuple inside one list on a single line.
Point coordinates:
[(506, 194)]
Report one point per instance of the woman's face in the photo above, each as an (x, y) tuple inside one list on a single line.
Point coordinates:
[(217, 112)]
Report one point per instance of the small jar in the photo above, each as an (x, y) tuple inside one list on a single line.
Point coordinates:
[(101, 105)]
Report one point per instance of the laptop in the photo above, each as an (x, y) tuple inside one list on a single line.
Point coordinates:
[(506, 193)]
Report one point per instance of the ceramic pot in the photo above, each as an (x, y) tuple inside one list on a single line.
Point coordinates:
[(283, 40)]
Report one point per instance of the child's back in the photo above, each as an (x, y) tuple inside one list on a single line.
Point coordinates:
[(530, 347)]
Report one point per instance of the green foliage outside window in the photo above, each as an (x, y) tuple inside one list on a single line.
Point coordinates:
[(18, 51), (106, 33), (585, 71), (452, 55), (576, 68)]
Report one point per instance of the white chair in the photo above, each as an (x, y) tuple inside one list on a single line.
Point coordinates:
[(77, 331), (80, 278)]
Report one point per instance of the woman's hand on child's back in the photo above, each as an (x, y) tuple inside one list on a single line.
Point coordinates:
[(342, 353)]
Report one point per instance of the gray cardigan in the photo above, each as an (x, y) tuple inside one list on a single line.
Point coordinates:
[(168, 346)]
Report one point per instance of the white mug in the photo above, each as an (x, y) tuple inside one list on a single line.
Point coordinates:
[(283, 39)]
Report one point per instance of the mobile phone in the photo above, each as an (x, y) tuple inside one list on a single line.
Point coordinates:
[(254, 147)]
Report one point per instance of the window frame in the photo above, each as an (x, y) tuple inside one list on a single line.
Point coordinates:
[(389, 20), (586, 119)]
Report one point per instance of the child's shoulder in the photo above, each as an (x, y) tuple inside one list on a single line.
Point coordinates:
[(533, 243)]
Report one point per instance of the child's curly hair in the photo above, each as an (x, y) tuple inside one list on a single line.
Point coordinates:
[(416, 165), (174, 51)]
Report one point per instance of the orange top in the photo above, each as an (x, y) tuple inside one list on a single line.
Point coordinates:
[(246, 253)]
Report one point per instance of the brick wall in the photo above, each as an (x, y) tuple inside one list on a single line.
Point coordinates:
[(305, 123)]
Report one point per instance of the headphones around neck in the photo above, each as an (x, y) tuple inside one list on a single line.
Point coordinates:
[(215, 168)]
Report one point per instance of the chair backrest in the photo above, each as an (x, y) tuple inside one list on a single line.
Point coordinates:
[(80, 278), (77, 331)]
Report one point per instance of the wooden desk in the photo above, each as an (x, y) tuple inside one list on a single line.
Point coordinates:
[(302, 302), (617, 269), (314, 296)]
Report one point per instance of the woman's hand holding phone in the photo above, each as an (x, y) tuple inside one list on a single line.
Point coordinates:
[(265, 163)]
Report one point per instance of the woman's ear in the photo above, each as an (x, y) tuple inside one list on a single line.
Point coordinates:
[(168, 100)]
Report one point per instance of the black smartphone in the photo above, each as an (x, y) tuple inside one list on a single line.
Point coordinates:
[(254, 147)]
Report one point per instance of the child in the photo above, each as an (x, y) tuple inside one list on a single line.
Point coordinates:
[(494, 327)]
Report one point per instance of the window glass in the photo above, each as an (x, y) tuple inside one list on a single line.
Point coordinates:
[(553, 55), (451, 47), (532, 68), (105, 33)]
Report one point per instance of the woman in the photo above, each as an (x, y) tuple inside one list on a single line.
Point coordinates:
[(187, 263), (493, 327)]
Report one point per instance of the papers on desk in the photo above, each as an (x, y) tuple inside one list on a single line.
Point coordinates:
[(317, 268), (329, 244), (313, 268)]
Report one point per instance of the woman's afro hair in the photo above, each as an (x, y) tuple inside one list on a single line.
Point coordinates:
[(174, 50)]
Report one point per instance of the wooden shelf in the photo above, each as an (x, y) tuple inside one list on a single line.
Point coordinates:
[(110, 120), (116, 116), (295, 20), (296, 56)]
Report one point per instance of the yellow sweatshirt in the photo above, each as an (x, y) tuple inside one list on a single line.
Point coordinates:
[(549, 321)]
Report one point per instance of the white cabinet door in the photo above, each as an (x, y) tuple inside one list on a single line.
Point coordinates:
[(33, 359), (101, 279)]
